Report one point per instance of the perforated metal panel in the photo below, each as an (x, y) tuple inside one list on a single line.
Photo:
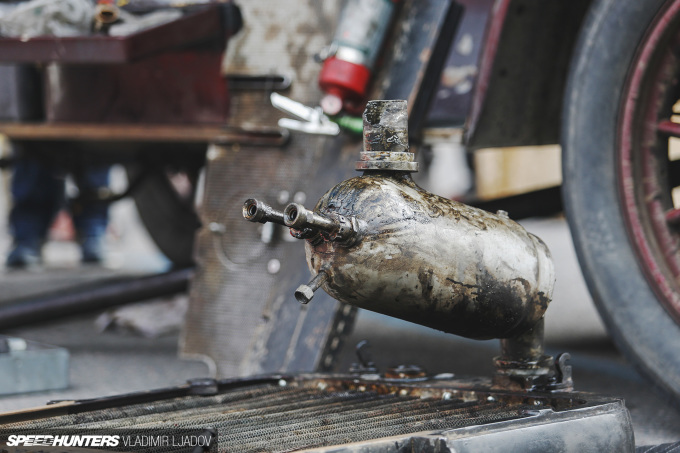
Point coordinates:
[(351, 414), (243, 316)]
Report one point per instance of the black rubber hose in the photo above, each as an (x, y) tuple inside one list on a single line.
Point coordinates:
[(93, 298)]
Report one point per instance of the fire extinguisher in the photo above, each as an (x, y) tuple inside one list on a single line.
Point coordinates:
[(350, 59)]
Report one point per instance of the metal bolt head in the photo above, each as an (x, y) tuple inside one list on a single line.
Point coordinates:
[(214, 152), (217, 228), (304, 294), (283, 197), (300, 197)]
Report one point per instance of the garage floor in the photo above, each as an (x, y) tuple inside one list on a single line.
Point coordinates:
[(111, 362)]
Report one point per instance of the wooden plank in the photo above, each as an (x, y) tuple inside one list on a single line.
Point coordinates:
[(139, 132)]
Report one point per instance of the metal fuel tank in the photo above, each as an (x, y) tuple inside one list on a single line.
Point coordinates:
[(380, 242)]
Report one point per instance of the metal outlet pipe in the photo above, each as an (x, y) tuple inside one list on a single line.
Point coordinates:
[(93, 298)]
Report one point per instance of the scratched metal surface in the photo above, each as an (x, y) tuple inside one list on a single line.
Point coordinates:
[(237, 305), (243, 319)]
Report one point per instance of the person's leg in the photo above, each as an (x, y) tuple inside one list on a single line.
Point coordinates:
[(37, 195), (91, 217)]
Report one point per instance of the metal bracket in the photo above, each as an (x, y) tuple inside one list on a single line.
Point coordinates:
[(314, 120)]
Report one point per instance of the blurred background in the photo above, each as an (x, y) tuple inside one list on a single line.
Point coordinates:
[(186, 130)]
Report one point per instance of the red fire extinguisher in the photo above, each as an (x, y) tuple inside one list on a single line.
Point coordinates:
[(351, 57)]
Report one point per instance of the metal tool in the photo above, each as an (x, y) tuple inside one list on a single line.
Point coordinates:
[(314, 120)]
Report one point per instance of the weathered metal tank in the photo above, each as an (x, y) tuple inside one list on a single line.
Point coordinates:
[(380, 242)]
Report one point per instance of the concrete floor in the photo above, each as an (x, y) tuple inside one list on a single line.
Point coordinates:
[(112, 362)]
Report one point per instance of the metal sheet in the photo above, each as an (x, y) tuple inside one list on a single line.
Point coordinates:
[(31, 367), (421, 39), (243, 317), (518, 94), (453, 98)]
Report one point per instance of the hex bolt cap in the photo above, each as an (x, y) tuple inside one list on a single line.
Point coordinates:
[(304, 294)]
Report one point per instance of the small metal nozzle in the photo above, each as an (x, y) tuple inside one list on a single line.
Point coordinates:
[(305, 293), (257, 211), (297, 216), (386, 138), (338, 228)]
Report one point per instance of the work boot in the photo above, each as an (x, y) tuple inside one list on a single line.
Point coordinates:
[(24, 255)]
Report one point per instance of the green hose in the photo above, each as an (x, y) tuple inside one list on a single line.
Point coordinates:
[(353, 124)]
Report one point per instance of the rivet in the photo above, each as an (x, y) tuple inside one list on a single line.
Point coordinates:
[(217, 228), (283, 197), (273, 266), (214, 152), (300, 197)]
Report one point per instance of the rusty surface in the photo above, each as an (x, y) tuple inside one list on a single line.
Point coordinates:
[(528, 346), (204, 27), (524, 366), (353, 414), (433, 261), (386, 145), (468, 389), (386, 126)]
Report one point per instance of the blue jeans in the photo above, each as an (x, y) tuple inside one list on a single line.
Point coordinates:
[(38, 194)]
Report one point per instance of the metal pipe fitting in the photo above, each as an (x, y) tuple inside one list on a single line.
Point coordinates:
[(297, 216), (386, 138), (305, 293), (260, 212), (336, 227), (523, 364)]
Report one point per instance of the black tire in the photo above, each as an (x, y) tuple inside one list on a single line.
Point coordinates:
[(602, 64), (170, 219)]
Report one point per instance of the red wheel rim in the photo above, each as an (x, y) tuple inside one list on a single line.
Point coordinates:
[(649, 121)]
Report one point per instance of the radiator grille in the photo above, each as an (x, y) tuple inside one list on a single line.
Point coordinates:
[(268, 418)]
